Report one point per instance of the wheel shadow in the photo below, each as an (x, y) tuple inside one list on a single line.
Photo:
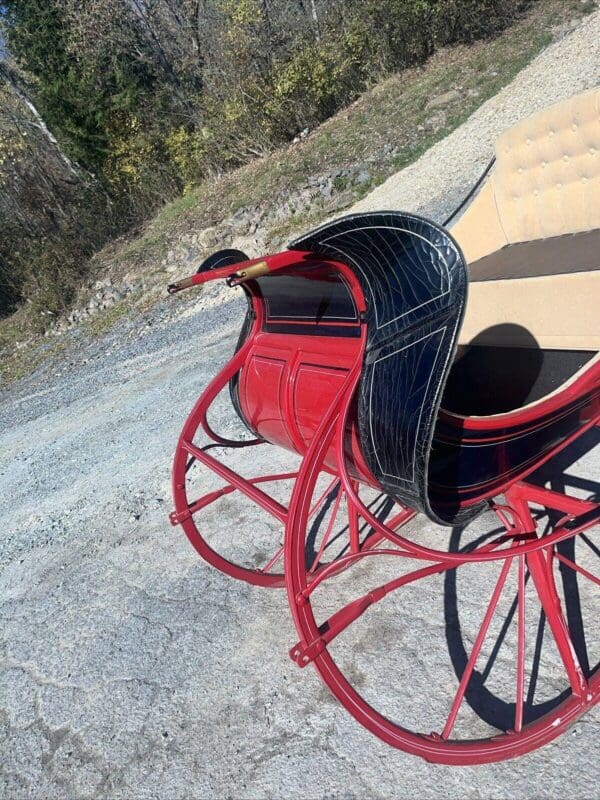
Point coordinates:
[(338, 544), (488, 706)]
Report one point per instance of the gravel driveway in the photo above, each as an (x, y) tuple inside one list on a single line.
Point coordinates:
[(132, 669)]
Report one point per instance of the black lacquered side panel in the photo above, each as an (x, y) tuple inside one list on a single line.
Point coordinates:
[(468, 464), (414, 279), (312, 296)]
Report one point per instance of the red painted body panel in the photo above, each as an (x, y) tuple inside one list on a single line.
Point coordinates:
[(289, 382)]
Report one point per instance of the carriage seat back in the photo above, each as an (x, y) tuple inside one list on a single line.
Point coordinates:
[(414, 281), (532, 235)]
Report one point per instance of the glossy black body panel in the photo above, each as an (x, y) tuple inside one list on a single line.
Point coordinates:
[(414, 279), (304, 298), (467, 463)]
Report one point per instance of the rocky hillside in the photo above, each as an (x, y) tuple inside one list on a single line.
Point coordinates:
[(323, 172)]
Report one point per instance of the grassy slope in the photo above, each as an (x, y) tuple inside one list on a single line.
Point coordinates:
[(390, 113), (393, 113)]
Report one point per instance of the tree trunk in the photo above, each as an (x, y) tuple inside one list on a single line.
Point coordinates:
[(7, 74), (315, 18)]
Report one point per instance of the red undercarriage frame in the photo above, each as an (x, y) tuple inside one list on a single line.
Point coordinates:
[(536, 541)]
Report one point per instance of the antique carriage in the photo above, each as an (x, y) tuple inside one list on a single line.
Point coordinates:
[(417, 370)]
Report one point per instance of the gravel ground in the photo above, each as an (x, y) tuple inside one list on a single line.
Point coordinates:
[(132, 669)]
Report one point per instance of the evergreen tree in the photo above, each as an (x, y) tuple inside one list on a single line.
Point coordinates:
[(86, 94)]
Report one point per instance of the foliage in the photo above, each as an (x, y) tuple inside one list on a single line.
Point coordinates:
[(131, 86), (146, 98)]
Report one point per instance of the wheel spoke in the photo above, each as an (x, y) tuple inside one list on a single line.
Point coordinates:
[(270, 564), (207, 499), (540, 569), (245, 486), (520, 646), (466, 676), (576, 567)]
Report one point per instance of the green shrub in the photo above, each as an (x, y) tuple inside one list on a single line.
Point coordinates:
[(468, 20), (151, 113)]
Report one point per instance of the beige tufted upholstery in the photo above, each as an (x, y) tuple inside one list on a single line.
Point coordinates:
[(546, 180), (545, 183)]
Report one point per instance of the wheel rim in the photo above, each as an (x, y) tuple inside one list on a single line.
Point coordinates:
[(214, 536), (328, 507), (533, 573)]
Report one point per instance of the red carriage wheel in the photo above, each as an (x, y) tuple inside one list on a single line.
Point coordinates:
[(487, 703), (226, 548)]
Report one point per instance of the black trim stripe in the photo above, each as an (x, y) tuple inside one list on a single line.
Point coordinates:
[(347, 331), (558, 255)]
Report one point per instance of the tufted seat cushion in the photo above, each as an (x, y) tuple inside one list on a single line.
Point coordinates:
[(545, 184)]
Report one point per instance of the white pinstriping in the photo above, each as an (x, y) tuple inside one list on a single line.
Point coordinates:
[(357, 265), (383, 358)]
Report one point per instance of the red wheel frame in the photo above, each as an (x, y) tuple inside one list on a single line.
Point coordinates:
[(534, 555), (187, 510)]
